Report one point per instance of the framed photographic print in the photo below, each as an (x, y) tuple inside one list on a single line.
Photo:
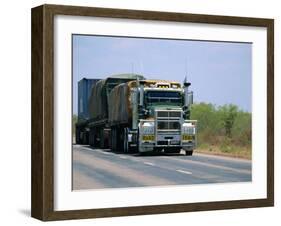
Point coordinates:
[(142, 112)]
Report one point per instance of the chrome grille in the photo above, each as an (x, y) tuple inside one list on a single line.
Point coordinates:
[(163, 114), (175, 114), (168, 120), (166, 125), (168, 114)]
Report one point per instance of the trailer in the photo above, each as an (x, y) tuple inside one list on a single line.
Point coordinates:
[(92, 126), (84, 91)]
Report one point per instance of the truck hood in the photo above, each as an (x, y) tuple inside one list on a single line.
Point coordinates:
[(153, 109)]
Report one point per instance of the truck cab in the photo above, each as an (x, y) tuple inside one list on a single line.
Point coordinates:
[(164, 123)]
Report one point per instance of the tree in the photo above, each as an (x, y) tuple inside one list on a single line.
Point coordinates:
[(206, 116), (228, 116), (74, 121)]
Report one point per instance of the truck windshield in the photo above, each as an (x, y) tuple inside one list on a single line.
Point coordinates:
[(163, 97)]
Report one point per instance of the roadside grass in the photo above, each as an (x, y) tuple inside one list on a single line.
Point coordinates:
[(230, 150), (213, 144), (223, 130)]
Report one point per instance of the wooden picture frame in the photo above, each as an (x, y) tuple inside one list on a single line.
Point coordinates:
[(42, 203)]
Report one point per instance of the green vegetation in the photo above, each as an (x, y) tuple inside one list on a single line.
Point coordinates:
[(223, 130), (74, 121)]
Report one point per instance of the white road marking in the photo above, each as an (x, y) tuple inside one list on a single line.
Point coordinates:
[(149, 163), (106, 153), (110, 153), (88, 149), (183, 171), (206, 164), (123, 157)]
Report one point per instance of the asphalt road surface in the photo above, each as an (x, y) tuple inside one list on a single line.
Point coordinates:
[(101, 168)]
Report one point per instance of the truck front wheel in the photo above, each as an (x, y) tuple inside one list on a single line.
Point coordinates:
[(189, 153), (171, 151)]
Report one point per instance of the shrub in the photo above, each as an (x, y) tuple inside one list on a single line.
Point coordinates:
[(224, 126)]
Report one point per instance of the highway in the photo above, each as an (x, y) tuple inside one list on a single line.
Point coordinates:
[(101, 168)]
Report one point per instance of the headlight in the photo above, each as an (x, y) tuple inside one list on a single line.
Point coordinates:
[(147, 128), (148, 137), (189, 129), (187, 137)]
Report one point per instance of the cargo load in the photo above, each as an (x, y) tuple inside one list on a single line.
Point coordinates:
[(98, 101), (84, 92), (120, 104), (100, 95)]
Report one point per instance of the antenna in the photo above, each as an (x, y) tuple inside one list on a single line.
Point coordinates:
[(141, 67), (132, 67), (186, 68), (185, 82)]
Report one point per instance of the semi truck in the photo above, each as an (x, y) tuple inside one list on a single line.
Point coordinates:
[(130, 113)]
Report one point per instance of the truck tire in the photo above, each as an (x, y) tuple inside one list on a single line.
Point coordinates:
[(77, 135), (97, 140), (106, 137), (101, 142), (85, 137), (91, 137), (125, 140), (189, 153), (116, 139), (113, 139)]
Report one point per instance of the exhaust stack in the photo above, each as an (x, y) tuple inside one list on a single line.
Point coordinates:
[(188, 97)]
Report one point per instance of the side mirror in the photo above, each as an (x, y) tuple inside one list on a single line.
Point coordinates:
[(189, 98), (141, 91)]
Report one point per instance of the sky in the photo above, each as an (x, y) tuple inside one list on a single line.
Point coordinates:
[(220, 72)]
